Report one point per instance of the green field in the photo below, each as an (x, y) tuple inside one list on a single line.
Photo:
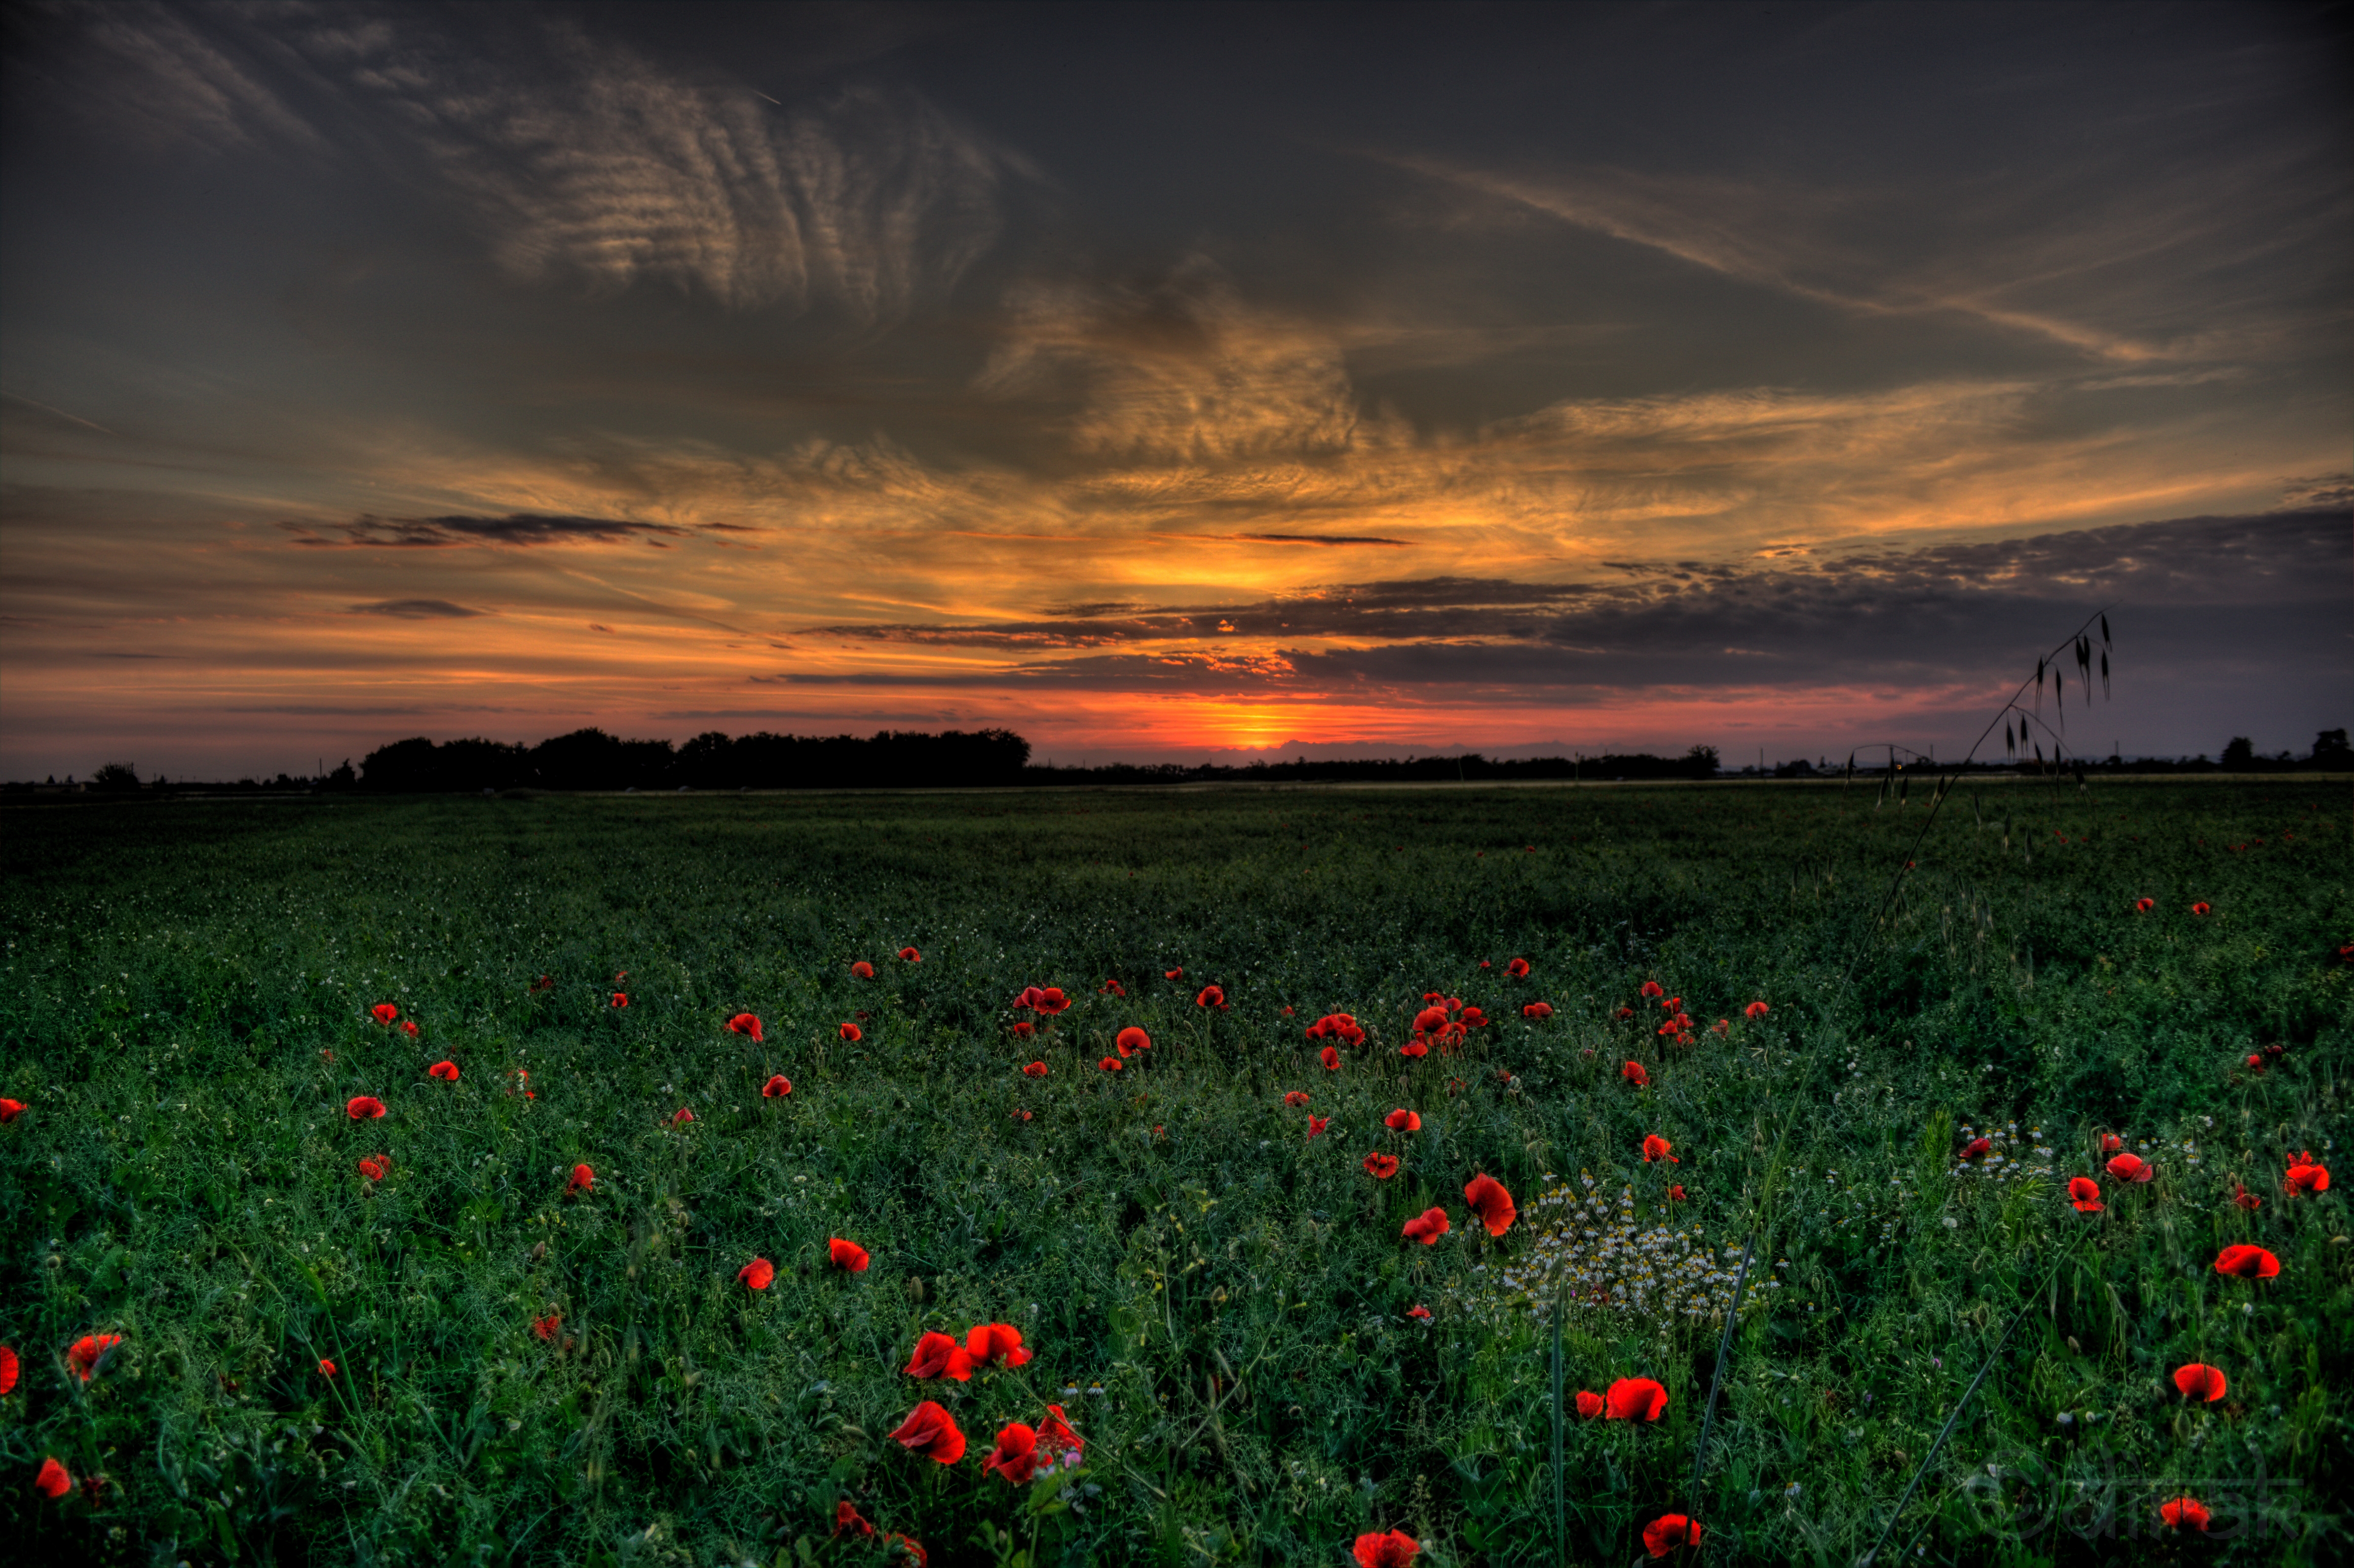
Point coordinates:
[(1219, 1301)]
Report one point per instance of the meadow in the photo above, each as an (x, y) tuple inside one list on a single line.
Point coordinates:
[(531, 1363)]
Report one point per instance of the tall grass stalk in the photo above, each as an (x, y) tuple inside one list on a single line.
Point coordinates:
[(1716, 1381)]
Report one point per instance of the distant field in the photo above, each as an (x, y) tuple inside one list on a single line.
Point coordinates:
[(1219, 1302)]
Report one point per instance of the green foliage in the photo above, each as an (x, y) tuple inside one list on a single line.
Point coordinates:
[(1218, 1300)]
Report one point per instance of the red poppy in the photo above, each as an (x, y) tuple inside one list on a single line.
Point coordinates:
[(1633, 1073), (1518, 969), (1051, 1000), (2200, 909), (384, 1012), (1109, 1065), (1418, 1312), (445, 1071), (2144, 906), (2132, 1168), (1132, 1039), (2243, 1198), (1755, 1010), (681, 1116), (847, 1255), (1492, 1202), (1652, 989), (546, 1328), (1015, 1457), (411, 1030), (1331, 1058), (1402, 1121), (862, 969), (7, 1369), (1035, 1070), (849, 1032), (2198, 1380), (621, 999), (2182, 1511), (1113, 988), (847, 1519), (909, 955), (1635, 1399), (1977, 1148), (11, 1109), (2085, 1193), (1296, 1097), (545, 982), (1022, 1029), (1173, 974), (2256, 1062), (1316, 1124), (583, 1180), (1430, 1019), (1415, 1048), (745, 1024), (1668, 1531), (2247, 1261), (1655, 1148), (53, 1480), (89, 1347), (1427, 1226), (1676, 1194), (363, 1108), (758, 1273), (2305, 1176), (2111, 1143), (1381, 1167), (374, 1167), (1673, 1005), (1537, 1009), (932, 1431), (777, 1087), (1622, 1013), (995, 1341), (1473, 1018), (1211, 996), (1055, 1433), (938, 1355), (1395, 1550), (1589, 1404)]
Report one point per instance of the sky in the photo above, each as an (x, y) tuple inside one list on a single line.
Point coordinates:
[(1170, 383)]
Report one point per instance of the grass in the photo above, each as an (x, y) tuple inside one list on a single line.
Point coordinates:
[(1220, 1301)]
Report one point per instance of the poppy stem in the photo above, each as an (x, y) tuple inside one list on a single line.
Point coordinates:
[(1560, 1508), (1723, 1349)]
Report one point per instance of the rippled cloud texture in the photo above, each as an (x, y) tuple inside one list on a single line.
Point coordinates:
[(1164, 385)]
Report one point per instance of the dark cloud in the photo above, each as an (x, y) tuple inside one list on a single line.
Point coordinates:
[(417, 609), (1333, 540), (518, 529)]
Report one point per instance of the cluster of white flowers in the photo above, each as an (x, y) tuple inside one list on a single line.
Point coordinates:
[(2010, 1156), (1598, 1257)]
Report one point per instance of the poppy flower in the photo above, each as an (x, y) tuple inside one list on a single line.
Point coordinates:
[(2200, 909), (363, 1108), (1622, 1013), (1652, 989), (1676, 1194), (1381, 1167), (545, 982), (1589, 1404), (445, 1071), (1173, 974), (2305, 1176), (621, 999), (2111, 1143), (11, 1109), (2256, 1062), (1673, 1005), (1473, 1018), (411, 1030), (680, 1116), (909, 955), (1296, 1097), (1316, 1124), (1414, 1048), (53, 1480), (1035, 1070), (2144, 906), (862, 969), (1022, 1029), (2245, 1198), (932, 1431), (1655, 1148), (89, 1347), (2085, 1193), (848, 1520), (1430, 1019), (1113, 988), (1211, 997), (1109, 1065), (1015, 1457), (326, 1367), (758, 1273), (1537, 1009), (1668, 1531), (1517, 969), (1331, 1058), (1418, 1312), (1132, 1039), (1755, 1010), (777, 1087), (374, 1167), (938, 1355), (1977, 1148), (851, 1032), (1402, 1121), (1055, 1433), (2132, 1168), (991, 1342), (2247, 1261), (1492, 1202), (1393, 1550), (583, 1180), (1051, 1000), (1635, 1399), (847, 1255), (745, 1024), (1427, 1226), (384, 1012), (1633, 1073), (7, 1369), (2198, 1380), (2182, 1511), (546, 1328)]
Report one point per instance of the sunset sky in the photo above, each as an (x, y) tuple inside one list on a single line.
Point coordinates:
[(1169, 383)]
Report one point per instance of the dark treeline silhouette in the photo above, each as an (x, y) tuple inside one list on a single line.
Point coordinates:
[(1700, 762), (591, 759)]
